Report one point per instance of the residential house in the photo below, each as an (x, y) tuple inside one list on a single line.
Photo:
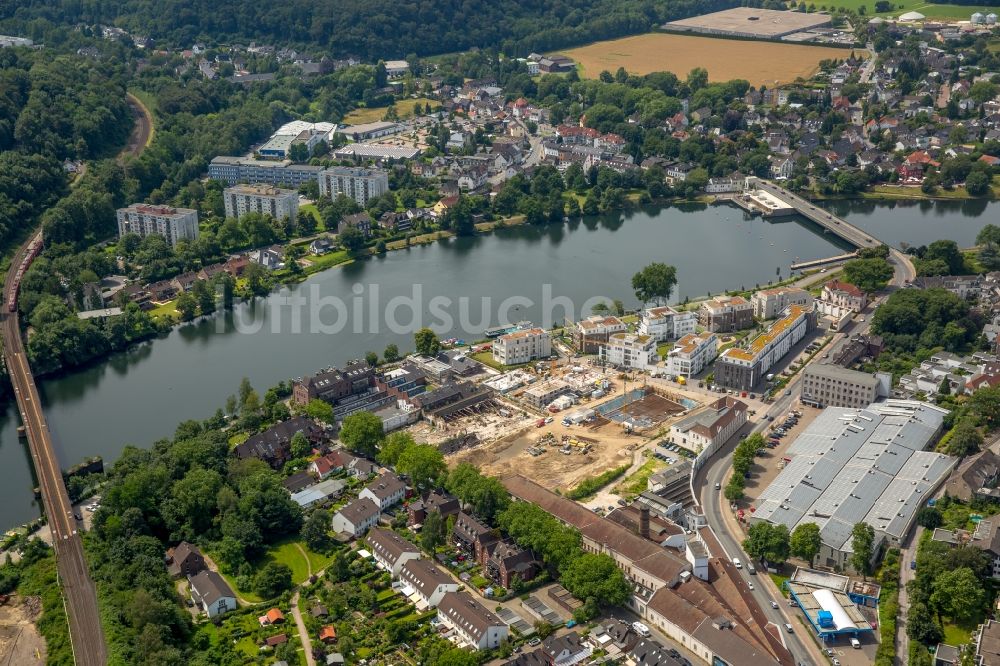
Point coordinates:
[(471, 622), (434, 502), (841, 298), (360, 221), (210, 593), (692, 354), (665, 323), (565, 650), (976, 477), (390, 550), (385, 491), (273, 446), (522, 346), (726, 314), (426, 582), (629, 350), (507, 560), (769, 303), (590, 334), (184, 560), (334, 385), (473, 536), (356, 518), (711, 427)]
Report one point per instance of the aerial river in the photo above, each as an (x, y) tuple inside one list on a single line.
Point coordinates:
[(459, 287)]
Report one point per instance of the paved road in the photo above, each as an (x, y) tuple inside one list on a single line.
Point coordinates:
[(835, 225), (79, 593)]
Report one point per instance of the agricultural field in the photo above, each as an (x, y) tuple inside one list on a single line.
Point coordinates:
[(404, 109), (758, 62), (930, 10)]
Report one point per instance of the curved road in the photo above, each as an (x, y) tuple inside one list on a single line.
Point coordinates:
[(143, 130), (804, 651)]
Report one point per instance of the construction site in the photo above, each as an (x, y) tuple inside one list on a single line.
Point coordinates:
[(572, 437)]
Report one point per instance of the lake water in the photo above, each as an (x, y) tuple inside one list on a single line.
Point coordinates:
[(458, 286)]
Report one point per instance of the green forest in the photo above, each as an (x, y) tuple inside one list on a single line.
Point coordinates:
[(369, 29)]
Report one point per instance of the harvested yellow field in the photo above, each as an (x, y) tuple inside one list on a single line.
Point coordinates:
[(758, 62)]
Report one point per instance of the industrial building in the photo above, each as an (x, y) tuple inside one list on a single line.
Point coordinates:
[(174, 224), (751, 23), (854, 465), (824, 600)]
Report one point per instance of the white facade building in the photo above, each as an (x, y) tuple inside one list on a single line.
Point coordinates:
[(174, 224), (356, 183), (522, 346), (472, 624), (665, 323), (769, 303), (629, 350), (278, 203), (692, 353), (840, 298)]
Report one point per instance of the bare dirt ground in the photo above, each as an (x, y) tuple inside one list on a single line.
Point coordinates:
[(612, 448), (20, 642)]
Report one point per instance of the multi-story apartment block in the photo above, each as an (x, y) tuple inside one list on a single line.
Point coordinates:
[(743, 367), (629, 350), (174, 224), (769, 303), (522, 346), (724, 314), (834, 386), (242, 199), (840, 298), (665, 323), (232, 170), (356, 183), (592, 333), (692, 353)]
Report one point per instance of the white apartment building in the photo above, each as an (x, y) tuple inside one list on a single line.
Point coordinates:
[(470, 622), (840, 298), (708, 429), (665, 323), (769, 303), (356, 183), (629, 350), (242, 199), (692, 353), (522, 346), (174, 224)]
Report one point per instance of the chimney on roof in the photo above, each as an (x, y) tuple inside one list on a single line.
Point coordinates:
[(644, 521)]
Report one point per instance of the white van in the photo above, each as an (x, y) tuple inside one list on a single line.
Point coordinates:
[(641, 629), (737, 563), (855, 643), (751, 570)]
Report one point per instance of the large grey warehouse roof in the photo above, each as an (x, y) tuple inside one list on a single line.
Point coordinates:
[(853, 464)]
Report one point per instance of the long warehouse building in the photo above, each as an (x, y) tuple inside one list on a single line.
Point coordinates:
[(853, 465)]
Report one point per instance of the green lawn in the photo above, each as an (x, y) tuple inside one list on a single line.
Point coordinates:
[(638, 482), (329, 260), (287, 553), (312, 210), (779, 582), (958, 634), (930, 10), (166, 309)]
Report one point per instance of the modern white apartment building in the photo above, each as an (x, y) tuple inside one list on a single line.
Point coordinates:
[(665, 323), (630, 350), (692, 353), (242, 199), (744, 367), (174, 224), (356, 183), (769, 303), (522, 346)]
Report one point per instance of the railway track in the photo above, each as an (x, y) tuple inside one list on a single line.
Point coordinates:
[(79, 592)]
